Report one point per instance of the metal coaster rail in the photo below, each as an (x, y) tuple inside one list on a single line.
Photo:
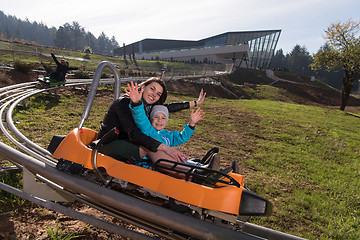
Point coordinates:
[(162, 222)]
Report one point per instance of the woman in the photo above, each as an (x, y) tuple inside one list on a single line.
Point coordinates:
[(131, 142)]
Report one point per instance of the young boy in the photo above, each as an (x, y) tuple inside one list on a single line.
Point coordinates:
[(155, 128)]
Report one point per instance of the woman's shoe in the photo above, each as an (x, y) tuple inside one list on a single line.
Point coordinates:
[(214, 163), (235, 167)]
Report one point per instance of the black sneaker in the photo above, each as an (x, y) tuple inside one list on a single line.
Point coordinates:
[(214, 162), (235, 167)]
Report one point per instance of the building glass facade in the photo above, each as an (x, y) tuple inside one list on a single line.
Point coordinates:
[(262, 49), (262, 45)]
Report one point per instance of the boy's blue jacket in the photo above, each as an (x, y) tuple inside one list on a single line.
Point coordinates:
[(170, 138)]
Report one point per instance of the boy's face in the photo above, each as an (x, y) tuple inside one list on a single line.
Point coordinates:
[(159, 121)]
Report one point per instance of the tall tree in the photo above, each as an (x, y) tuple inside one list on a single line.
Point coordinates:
[(93, 42), (79, 36), (278, 60), (102, 42), (342, 49), (298, 61), (63, 37)]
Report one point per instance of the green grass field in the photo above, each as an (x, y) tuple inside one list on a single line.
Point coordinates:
[(304, 159)]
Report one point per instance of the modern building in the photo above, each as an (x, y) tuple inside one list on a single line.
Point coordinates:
[(252, 49)]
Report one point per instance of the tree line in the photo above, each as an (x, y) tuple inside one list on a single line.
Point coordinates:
[(299, 61), (69, 36)]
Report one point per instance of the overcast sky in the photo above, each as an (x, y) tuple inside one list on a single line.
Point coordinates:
[(302, 22)]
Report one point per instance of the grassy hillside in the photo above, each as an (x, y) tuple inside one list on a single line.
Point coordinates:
[(304, 159)]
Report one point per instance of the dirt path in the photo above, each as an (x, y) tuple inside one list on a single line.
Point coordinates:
[(270, 74)]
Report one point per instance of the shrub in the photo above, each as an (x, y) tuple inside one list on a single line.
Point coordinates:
[(81, 75), (104, 75), (23, 67)]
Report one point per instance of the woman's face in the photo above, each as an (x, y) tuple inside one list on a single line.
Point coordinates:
[(152, 93)]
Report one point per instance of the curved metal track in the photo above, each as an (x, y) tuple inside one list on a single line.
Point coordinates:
[(164, 223)]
